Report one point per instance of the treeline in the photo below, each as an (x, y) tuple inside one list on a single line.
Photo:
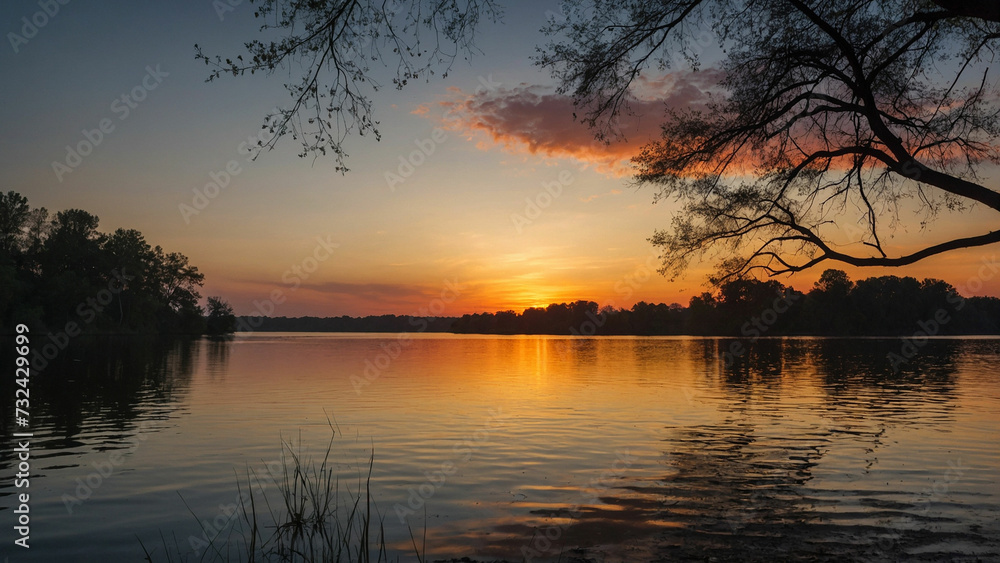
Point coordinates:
[(835, 306), (59, 274), (379, 323)]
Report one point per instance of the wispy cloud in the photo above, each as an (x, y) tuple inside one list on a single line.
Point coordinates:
[(379, 292)]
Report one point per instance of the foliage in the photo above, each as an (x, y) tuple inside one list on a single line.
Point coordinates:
[(554, 319), (61, 269), (831, 114), (836, 306), (315, 517), (220, 319), (336, 42)]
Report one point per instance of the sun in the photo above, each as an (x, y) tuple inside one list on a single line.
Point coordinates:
[(533, 298)]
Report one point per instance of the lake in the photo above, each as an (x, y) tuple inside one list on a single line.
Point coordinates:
[(523, 447)]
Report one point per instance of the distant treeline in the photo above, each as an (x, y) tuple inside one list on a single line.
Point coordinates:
[(380, 323), (59, 274), (835, 306)]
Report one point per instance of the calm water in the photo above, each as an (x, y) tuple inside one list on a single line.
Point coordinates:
[(501, 447)]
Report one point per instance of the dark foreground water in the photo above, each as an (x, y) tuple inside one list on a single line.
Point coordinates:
[(542, 448)]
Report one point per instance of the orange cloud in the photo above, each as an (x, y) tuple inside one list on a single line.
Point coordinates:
[(535, 121)]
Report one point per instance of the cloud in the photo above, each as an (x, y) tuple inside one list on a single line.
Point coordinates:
[(533, 120), (679, 89), (341, 297), (380, 292)]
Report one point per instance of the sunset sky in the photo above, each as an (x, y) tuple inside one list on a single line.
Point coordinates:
[(502, 136)]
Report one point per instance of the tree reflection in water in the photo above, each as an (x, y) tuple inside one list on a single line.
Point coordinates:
[(96, 392), (751, 487)]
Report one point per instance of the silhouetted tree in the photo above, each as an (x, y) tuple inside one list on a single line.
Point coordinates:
[(750, 309), (741, 300), (336, 43), (14, 212), (742, 308), (63, 269), (836, 111), (830, 112), (220, 318), (829, 308)]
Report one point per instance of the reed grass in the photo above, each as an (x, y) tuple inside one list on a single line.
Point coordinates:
[(313, 519)]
